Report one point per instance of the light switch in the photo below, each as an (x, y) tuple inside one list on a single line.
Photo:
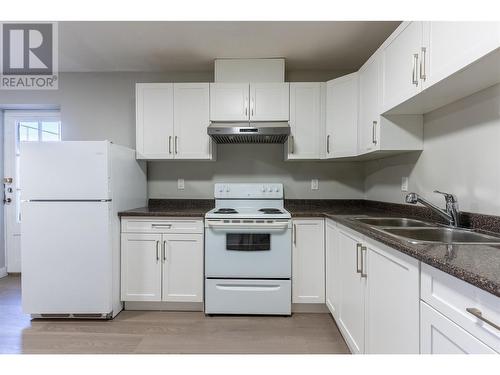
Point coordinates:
[(314, 184), (404, 184), (180, 184)]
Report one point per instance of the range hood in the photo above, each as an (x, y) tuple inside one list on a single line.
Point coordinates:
[(249, 132)]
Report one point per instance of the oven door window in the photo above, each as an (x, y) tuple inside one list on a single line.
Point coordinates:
[(248, 241)]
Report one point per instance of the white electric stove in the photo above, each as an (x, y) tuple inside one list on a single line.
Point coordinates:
[(248, 251)]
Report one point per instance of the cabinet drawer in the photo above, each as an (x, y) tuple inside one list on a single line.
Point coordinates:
[(452, 297), (439, 335), (162, 226), (243, 296)]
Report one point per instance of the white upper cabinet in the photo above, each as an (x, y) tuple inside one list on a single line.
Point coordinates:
[(154, 120), (341, 136), (308, 260), (172, 121), (229, 101), (401, 60), (269, 101), (451, 46), (305, 120), (191, 119), (249, 101), (369, 107)]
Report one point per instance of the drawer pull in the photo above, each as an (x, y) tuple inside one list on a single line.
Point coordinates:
[(358, 247), (478, 314), (161, 225)]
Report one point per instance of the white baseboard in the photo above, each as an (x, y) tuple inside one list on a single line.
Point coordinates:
[(164, 306), (3, 272)]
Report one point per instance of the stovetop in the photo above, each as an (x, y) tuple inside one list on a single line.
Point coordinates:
[(248, 213), (248, 201)]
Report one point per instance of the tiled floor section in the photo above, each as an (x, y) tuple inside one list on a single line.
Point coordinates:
[(163, 332)]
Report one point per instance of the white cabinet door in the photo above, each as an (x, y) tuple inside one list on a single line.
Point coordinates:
[(333, 279), (369, 107), (154, 120), (451, 46), (352, 304), (401, 60), (140, 267), (439, 335), (308, 260), (341, 138), (191, 119), (392, 302), (229, 101), (182, 267), (305, 121), (269, 101)]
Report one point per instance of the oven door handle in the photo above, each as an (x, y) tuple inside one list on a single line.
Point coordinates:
[(248, 287), (270, 226)]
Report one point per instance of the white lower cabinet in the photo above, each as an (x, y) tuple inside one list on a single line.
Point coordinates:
[(141, 267), (160, 266), (352, 292), (183, 268), (392, 302), (439, 335), (332, 267), (308, 261), (372, 292)]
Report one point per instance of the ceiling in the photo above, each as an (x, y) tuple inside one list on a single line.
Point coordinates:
[(192, 46)]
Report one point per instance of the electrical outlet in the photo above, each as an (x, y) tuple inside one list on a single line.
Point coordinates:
[(404, 184), (180, 184), (314, 184)]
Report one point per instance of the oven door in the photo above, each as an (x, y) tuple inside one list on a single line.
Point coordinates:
[(248, 249)]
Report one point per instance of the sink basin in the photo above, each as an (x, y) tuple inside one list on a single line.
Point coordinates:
[(442, 235), (393, 222)]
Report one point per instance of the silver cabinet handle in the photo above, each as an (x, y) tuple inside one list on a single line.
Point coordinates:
[(423, 75), (176, 143), (246, 106), (164, 251), (374, 132), (252, 106), (478, 314), (294, 234), (161, 226), (358, 247), (328, 144), (414, 75), (363, 273), (292, 144), (169, 144), (157, 251)]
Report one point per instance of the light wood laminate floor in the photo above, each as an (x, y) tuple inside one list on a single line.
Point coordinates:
[(163, 332)]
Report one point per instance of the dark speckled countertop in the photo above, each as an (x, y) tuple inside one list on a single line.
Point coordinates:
[(478, 265)]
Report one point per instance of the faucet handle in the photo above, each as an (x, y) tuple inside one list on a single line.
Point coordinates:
[(451, 198)]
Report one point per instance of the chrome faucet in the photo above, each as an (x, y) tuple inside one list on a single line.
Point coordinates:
[(451, 213)]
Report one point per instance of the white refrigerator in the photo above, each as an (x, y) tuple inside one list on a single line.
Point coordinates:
[(71, 193)]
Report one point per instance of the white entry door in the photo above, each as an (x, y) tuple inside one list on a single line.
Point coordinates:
[(21, 126)]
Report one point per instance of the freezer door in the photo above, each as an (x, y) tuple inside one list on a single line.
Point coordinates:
[(66, 257), (64, 170)]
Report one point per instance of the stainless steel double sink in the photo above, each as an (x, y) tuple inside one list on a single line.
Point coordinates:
[(420, 232)]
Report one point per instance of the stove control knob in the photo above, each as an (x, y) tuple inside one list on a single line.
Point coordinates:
[(221, 188), (276, 189), (227, 189)]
